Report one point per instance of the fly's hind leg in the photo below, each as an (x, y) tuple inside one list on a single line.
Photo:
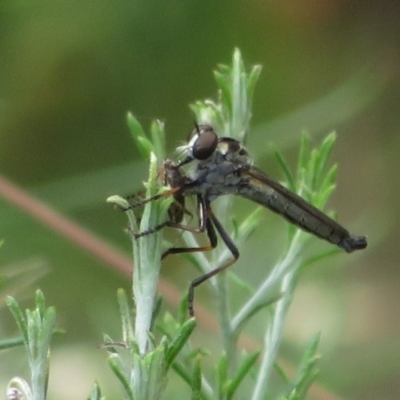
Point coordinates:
[(213, 222)]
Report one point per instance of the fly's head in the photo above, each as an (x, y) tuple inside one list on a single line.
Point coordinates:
[(201, 144), (204, 145)]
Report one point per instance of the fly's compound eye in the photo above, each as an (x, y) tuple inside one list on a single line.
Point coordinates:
[(205, 142)]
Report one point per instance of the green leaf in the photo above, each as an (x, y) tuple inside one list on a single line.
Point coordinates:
[(95, 394), (281, 372), (311, 171), (249, 224), (119, 201), (168, 326), (240, 282), (324, 152), (252, 80), (37, 330), (49, 321), (180, 340), (327, 186), (317, 258), (125, 315), (226, 90), (222, 375), (157, 311), (196, 379), (303, 156), (18, 315), (293, 395), (253, 311), (115, 363), (323, 196), (286, 170), (158, 139), (243, 370), (308, 371), (154, 372), (40, 303), (11, 342), (143, 144), (182, 371)]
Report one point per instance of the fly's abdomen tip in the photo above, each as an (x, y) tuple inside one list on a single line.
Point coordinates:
[(353, 243)]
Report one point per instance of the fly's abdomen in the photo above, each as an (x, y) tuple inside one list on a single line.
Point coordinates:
[(300, 213)]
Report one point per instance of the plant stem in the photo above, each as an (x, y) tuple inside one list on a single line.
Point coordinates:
[(290, 261), (273, 336), (225, 319), (147, 256)]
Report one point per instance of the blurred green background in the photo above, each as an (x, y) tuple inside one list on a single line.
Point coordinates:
[(69, 72)]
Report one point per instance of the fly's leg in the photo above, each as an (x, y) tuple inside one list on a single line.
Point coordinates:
[(132, 198), (213, 222), (169, 224), (142, 202), (205, 225), (208, 223), (178, 207)]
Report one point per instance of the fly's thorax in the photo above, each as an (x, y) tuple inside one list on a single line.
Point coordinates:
[(216, 176), (218, 172)]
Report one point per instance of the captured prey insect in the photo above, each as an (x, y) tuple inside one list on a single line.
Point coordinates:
[(224, 167)]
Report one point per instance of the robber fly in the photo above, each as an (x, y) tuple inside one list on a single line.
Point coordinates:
[(224, 167)]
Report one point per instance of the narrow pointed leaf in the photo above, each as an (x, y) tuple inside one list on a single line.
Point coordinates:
[(225, 89), (252, 80), (303, 156), (286, 170), (115, 364), (125, 315), (96, 393), (18, 316), (180, 340), (222, 375), (324, 152), (196, 379), (253, 311), (143, 144), (158, 139), (243, 370)]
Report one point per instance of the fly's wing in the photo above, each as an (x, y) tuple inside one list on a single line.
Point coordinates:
[(261, 188)]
